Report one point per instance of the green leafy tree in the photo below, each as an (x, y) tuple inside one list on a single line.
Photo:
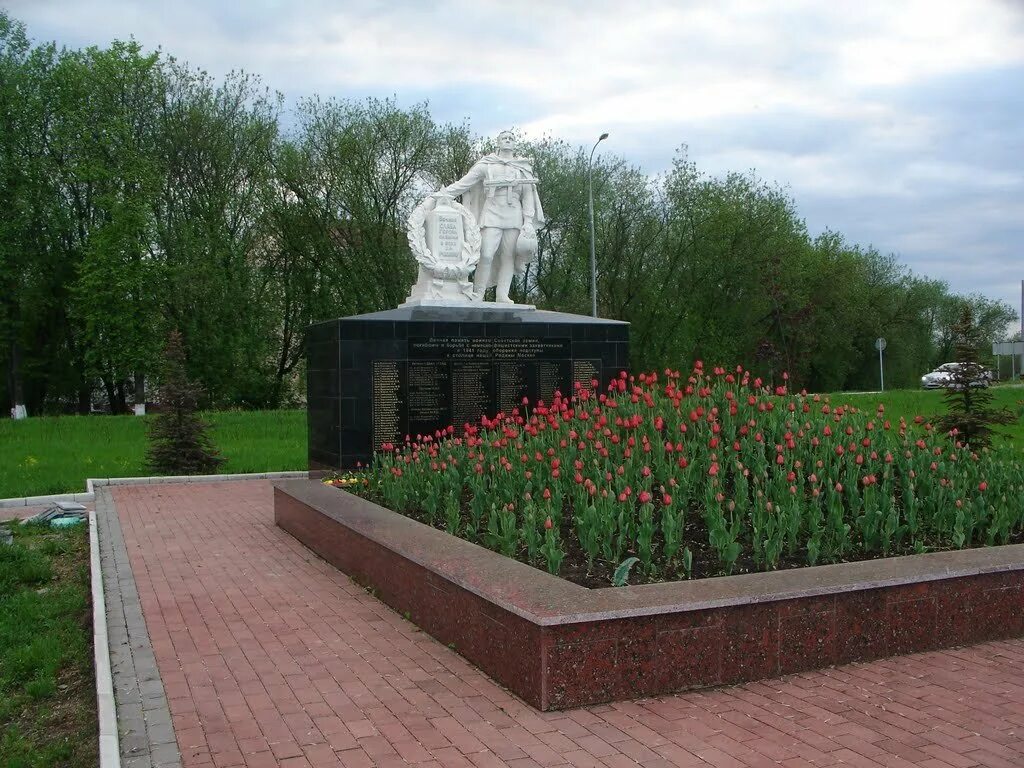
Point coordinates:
[(211, 229), (346, 182), (34, 274), (14, 275), (116, 293), (991, 317), (358, 170), (178, 439)]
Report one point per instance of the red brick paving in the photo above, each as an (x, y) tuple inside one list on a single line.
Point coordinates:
[(270, 657)]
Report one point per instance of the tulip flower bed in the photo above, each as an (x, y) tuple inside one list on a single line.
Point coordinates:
[(699, 475)]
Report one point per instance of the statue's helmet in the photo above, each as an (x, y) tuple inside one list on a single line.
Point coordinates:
[(526, 250)]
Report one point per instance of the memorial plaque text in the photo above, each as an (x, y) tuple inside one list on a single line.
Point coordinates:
[(430, 396), (472, 392), (377, 379), (585, 371), (388, 402), (463, 348)]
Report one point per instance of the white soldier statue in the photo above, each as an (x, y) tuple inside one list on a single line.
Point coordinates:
[(500, 191)]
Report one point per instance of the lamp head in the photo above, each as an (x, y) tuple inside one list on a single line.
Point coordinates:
[(602, 137)]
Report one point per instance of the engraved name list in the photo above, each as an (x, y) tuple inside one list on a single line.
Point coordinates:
[(455, 380)]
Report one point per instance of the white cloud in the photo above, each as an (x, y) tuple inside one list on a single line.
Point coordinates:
[(915, 39)]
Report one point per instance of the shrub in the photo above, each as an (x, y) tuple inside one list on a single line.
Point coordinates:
[(178, 439), (970, 415)]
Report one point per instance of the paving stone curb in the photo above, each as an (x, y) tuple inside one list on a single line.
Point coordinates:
[(143, 716), (110, 754), (101, 482)]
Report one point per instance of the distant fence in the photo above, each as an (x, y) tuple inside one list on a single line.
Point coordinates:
[(1008, 348), (1013, 350)]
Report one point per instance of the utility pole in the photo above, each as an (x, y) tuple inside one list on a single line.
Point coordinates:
[(593, 257), (880, 345)]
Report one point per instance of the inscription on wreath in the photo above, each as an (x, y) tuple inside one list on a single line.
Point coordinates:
[(449, 236)]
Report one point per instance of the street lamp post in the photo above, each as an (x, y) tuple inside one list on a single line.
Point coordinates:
[(593, 257)]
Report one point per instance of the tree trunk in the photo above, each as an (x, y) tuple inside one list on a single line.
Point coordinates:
[(84, 400), (140, 394), (122, 398), (108, 385), (18, 409)]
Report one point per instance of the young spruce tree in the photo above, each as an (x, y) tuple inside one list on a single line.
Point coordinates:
[(178, 439), (968, 400)]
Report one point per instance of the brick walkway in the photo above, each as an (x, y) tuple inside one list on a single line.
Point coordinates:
[(271, 657)]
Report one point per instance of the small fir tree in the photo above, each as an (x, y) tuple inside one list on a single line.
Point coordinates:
[(970, 415), (178, 439)]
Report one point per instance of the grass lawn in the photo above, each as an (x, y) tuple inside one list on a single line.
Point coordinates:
[(911, 402), (55, 454), (47, 688)]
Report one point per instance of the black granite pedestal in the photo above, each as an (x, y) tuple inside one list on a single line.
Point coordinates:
[(375, 378)]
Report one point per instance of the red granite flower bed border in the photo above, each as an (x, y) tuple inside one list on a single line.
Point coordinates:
[(560, 645)]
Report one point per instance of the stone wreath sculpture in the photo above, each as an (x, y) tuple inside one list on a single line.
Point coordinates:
[(438, 274)]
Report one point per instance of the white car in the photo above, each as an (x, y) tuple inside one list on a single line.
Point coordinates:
[(942, 377)]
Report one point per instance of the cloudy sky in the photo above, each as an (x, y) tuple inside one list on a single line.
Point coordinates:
[(900, 124)]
